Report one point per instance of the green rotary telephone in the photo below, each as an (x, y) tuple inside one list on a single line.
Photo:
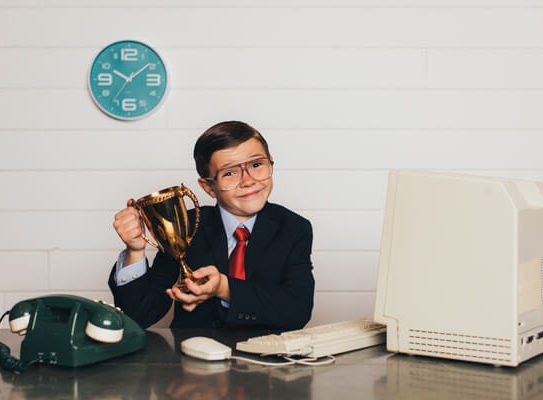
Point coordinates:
[(70, 331)]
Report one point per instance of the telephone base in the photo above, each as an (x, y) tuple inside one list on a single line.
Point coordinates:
[(56, 332)]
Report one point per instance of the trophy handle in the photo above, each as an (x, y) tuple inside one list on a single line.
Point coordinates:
[(186, 191), (148, 241), (133, 203)]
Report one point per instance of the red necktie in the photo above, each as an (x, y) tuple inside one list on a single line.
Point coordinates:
[(236, 263)]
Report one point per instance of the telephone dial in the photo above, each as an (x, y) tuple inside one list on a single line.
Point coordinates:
[(70, 331)]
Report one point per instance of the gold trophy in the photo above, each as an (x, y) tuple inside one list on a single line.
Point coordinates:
[(165, 216)]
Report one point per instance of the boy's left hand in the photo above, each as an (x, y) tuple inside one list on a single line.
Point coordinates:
[(216, 286)]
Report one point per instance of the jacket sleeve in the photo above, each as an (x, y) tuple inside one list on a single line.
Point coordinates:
[(286, 305), (145, 299)]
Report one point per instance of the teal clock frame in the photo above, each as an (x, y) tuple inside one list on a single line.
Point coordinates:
[(128, 80)]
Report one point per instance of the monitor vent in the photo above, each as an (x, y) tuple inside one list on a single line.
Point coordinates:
[(458, 346)]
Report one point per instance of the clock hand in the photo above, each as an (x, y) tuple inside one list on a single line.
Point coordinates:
[(134, 74), (126, 78), (121, 89)]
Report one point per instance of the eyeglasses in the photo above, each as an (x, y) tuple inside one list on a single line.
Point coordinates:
[(229, 178)]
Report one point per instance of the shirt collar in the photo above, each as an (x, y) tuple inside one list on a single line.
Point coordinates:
[(231, 223)]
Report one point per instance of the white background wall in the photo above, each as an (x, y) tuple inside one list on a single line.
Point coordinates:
[(343, 90)]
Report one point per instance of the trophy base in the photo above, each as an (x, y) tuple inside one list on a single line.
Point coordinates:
[(184, 273), (181, 283)]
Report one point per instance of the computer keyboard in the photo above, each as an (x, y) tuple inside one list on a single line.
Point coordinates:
[(319, 341)]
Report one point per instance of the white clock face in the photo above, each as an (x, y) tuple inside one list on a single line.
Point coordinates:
[(128, 80)]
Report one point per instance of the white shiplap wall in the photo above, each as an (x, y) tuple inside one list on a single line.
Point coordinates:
[(343, 90)]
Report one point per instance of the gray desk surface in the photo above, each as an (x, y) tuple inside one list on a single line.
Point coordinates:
[(160, 371)]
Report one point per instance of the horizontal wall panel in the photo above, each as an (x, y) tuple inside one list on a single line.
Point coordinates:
[(345, 230), (345, 271), (109, 190), (330, 190), (12, 298), (94, 230), (101, 150), (424, 149), (485, 68), (317, 109), (64, 109), (58, 230), (336, 306), (270, 3), (45, 68), (329, 109), (330, 152), (81, 270), (296, 68), (23, 271), (274, 26), (238, 67)]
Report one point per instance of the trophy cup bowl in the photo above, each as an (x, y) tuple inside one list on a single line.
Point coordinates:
[(165, 215)]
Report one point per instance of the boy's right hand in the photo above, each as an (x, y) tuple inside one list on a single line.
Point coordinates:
[(129, 227)]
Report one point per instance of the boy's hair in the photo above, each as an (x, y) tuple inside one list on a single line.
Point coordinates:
[(223, 136)]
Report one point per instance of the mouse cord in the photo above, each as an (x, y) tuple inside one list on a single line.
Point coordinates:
[(290, 361), (268, 364), (312, 361)]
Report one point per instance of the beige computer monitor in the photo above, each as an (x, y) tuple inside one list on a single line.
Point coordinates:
[(460, 268)]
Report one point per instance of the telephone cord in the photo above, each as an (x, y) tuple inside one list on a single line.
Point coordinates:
[(3, 315), (8, 362)]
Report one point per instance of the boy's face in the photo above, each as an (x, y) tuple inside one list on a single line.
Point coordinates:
[(250, 196)]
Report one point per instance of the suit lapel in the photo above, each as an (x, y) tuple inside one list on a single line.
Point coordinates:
[(263, 233), (217, 238)]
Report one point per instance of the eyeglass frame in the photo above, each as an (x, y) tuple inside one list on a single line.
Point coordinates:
[(243, 166)]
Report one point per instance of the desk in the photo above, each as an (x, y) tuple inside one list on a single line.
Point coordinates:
[(160, 371)]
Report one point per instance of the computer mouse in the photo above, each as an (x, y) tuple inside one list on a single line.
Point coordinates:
[(205, 348)]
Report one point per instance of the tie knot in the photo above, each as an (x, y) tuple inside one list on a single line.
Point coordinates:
[(242, 234)]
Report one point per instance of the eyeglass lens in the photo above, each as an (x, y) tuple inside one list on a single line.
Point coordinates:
[(259, 170)]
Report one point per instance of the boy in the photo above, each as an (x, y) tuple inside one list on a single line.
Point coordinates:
[(268, 280)]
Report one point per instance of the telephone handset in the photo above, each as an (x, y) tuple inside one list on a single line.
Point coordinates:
[(73, 331)]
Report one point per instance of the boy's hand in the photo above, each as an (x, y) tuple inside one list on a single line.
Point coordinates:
[(129, 227), (216, 286)]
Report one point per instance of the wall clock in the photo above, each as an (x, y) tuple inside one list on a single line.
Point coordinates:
[(128, 80)]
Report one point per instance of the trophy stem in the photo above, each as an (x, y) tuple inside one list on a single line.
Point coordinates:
[(184, 273)]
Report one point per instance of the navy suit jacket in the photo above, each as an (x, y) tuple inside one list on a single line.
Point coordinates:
[(279, 285)]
